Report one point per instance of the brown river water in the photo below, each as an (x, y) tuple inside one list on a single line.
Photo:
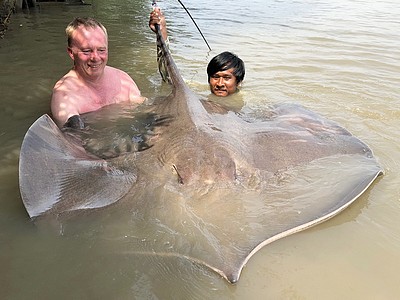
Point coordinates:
[(339, 58)]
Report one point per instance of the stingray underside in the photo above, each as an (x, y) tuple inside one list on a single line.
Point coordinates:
[(56, 174)]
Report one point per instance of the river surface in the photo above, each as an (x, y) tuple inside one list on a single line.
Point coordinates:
[(339, 58)]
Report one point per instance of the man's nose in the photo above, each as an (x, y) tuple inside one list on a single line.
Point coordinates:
[(220, 81), (94, 55)]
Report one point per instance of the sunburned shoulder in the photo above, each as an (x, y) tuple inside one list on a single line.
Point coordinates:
[(116, 72), (69, 82), (127, 84), (113, 73), (62, 106)]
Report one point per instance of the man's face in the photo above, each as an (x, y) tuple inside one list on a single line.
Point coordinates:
[(89, 52), (223, 83)]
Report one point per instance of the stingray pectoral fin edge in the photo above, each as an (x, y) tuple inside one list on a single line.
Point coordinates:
[(231, 270), (57, 174), (233, 274)]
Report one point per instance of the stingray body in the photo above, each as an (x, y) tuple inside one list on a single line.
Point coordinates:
[(236, 185)]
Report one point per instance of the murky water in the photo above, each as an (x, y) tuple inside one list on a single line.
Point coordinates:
[(339, 58)]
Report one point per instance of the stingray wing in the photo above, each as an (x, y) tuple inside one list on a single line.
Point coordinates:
[(298, 170), (305, 170), (292, 206), (224, 228), (56, 174)]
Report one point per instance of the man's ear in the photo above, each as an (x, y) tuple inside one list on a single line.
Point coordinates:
[(69, 50)]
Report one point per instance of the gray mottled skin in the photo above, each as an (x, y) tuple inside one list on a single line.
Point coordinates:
[(230, 179)]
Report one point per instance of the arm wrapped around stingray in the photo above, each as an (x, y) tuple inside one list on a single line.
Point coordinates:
[(75, 122)]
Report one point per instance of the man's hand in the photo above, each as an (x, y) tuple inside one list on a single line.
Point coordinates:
[(157, 17)]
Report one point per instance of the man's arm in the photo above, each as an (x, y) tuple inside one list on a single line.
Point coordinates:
[(75, 122), (61, 107), (129, 85), (157, 17)]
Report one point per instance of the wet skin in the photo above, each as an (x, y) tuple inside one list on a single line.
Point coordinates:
[(223, 83), (89, 52)]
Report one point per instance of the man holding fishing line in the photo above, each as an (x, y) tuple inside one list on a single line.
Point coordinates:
[(225, 71)]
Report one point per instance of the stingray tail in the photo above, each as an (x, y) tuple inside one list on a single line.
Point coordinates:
[(57, 174)]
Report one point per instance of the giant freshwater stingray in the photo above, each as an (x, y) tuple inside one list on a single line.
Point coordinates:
[(213, 188)]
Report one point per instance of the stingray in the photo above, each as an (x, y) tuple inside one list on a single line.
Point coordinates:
[(213, 188)]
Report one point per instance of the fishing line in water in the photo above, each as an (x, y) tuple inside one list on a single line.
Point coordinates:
[(154, 4)]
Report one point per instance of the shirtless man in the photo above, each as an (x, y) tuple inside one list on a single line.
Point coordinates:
[(225, 71), (90, 84)]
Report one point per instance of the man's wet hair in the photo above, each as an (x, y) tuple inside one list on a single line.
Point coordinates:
[(87, 22), (224, 61)]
